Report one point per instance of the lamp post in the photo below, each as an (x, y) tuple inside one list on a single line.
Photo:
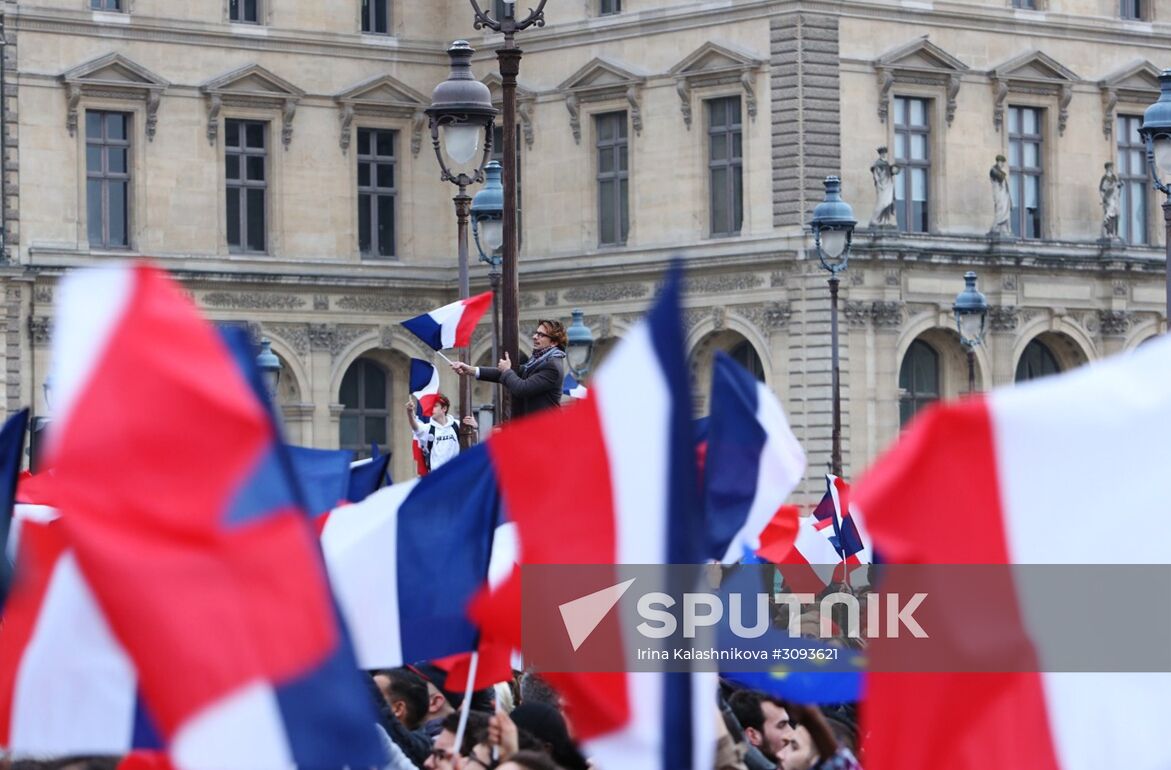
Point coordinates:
[(581, 346), (971, 310), (270, 369), (833, 230), (509, 56), (488, 218), (461, 112), (1156, 133)]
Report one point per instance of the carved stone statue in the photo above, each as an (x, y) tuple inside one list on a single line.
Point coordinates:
[(884, 190), (1110, 191), (1001, 199)]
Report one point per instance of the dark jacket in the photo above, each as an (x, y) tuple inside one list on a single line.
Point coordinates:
[(538, 388)]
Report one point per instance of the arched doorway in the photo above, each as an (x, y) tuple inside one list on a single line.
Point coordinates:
[(919, 380), (365, 400), (745, 355), (1037, 360)]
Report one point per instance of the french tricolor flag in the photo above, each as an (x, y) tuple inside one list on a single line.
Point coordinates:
[(630, 500), (1070, 469), (424, 384), (451, 325), (572, 388), (224, 607), (753, 461), (405, 562)]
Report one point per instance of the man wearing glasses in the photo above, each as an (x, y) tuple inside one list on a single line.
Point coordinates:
[(537, 385)]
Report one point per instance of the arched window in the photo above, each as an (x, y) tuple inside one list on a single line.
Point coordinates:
[(365, 418), (745, 355), (918, 380), (1037, 361)]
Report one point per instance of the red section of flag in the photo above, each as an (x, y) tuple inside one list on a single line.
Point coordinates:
[(495, 665), (41, 546), (574, 526), (474, 309), (776, 540), (36, 489), (203, 607), (935, 499)]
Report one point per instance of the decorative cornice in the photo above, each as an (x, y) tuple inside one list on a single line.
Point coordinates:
[(606, 292), (252, 300), (712, 65), (295, 335), (1033, 72), (882, 314), (923, 62), (718, 284), (384, 303), (113, 76), (1115, 323), (525, 98), (768, 316), (1137, 83), (380, 96), (40, 329), (600, 80), (251, 86), (1003, 318)]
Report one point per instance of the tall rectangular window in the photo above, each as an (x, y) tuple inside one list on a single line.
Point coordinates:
[(107, 178), (1131, 9), (1025, 170), (376, 16), (1029, 4), (245, 11), (606, 7), (725, 165), (613, 178), (498, 156), (1132, 171), (246, 163), (913, 157), (376, 191), (106, 5)]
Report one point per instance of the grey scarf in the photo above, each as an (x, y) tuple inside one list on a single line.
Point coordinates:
[(549, 353)]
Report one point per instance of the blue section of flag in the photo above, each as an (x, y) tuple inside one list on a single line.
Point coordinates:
[(425, 328), (735, 442), (11, 457), (686, 533), (811, 687), (324, 476), (451, 511), (568, 384), (421, 371), (367, 478), (146, 735)]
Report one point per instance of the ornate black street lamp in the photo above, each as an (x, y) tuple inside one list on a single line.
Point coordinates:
[(971, 311), (833, 230), (461, 114)]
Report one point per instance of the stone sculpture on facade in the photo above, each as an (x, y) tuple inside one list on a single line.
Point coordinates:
[(884, 190), (1110, 192), (1001, 199)]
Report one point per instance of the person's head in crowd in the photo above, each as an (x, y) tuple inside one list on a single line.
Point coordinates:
[(528, 760), (444, 750), (811, 742), (442, 407), (439, 703), (549, 334), (765, 719), (549, 728), (842, 723), (406, 693), (534, 689)]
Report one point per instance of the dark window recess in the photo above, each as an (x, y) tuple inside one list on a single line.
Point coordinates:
[(365, 417), (376, 16), (725, 166), (1037, 361), (913, 157), (918, 380), (613, 179), (246, 170), (1026, 170), (107, 178), (1131, 168), (246, 11), (377, 185)]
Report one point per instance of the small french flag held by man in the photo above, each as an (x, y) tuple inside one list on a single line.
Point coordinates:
[(1069, 469), (572, 388), (224, 607), (753, 460), (424, 385), (451, 325)]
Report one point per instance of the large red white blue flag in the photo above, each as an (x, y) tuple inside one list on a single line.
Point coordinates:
[(202, 561), (450, 326), (1070, 469), (631, 499), (424, 385), (753, 461), (405, 562)]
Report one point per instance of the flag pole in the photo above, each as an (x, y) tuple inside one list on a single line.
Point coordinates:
[(445, 358), (466, 706)]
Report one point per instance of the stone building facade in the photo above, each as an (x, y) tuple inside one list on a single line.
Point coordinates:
[(227, 139)]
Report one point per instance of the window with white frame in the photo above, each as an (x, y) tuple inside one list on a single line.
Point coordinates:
[(376, 16), (244, 11), (376, 191), (912, 132), (613, 178), (1132, 172), (725, 165), (246, 167)]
